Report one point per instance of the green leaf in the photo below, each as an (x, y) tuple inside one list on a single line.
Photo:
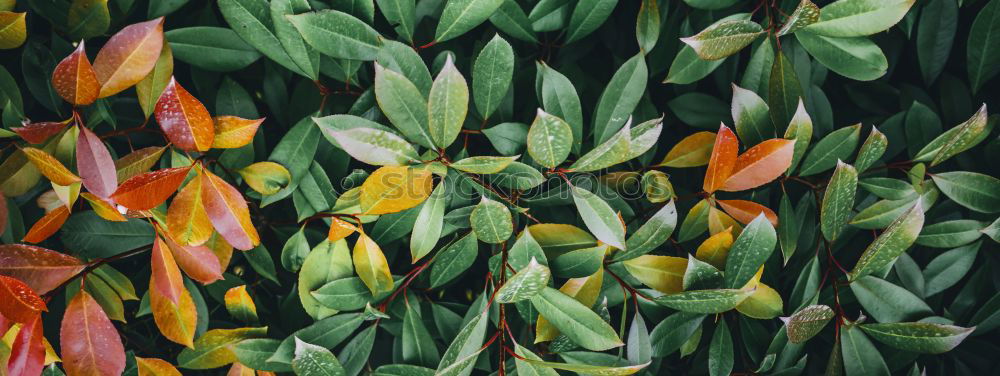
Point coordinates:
[(491, 221), (587, 16), (695, 222), (838, 145), (312, 360), (701, 275), (993, 230), (784, 91), (750, 114), (958, 139), (647, 25), (749, 251), (549, 139), (838, 200), (688, 68), (639, 349), (326, 333), (948, 268), (374, 146), (508, 138), (855, 18), (704, 301), (950, 234), (345, 294), (430, 221), (254, 353), (588, 369), (338, 34), (447, 105), (807, 322), (402, 14), (525, 284), (211, 48), (458, 17), (871, 150), (403, 104), (800, 129), (935, 35), (402, 370), (404, 59), (492, 74), (972, 190), (673, 331), (613, 151), (92, 237), (467, 343), (644, 136), (454, 260), (579, 323), (251, 19), (511, 19), (720, 351), (600, 218), (417, 345), (579, 263), (619, 97), (788, 230), (559, 98), (724, 38), (524, 367), (294, 252), (525, 249), (354, 356), (887, 188), (518, 175), (861, 358), (887, 302), (856, 58), (213, 349), (483, 164), (301, 53), (758, 71), (982, 52), (918, 337), (805, 14), (895, 240)]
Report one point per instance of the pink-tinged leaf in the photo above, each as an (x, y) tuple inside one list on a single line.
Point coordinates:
[(75, 80), (37, 133), (720, 164), (147, 191), (746, 211), (229, 213), (176, 320), (187, 222), (90, 344), (166, 276), (198, 262), (18, 302), (47, 225), (41, 269), (103, 208), (94, 162), (184, 119), (27, 355), (234, 131), (761, 164), (128, 56)]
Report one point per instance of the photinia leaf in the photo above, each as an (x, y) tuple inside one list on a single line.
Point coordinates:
[(371, 265), (838, 200), (745, 211), (137, 162), (392, 189), (267, 178), (13, 30), (103, 208), (724, 38), (838, 145), (28, 352), (918, 337), (337, 34), (890, 243), (417, 345), (576, 321), (50, 166), (427, 228), (855, 18), (95, 164), (90, 343), (692, 151), (619, 98), (155, 366), (37, 133), (234, 131), (720, 351), (492, 73), (18, 302), (312, 360), (763, 304), (972, 190), (128, 56), (750, 250), (525, 284), (857, 58), (47, 225), (751, 116), (483, 164), (550, 139), (375, 146), (807, 322), (871, 150), (651, 234), (74, 78), (722, 160), (447, 105), (465, 348), (491, 221), (149, 89), (403, 104), (149, 190), (197, 261), (615, 150), (704, 301), (458, 17), (663, 273), (600, 218), (559, 97), (184, 119), (805, 14), (214, 348), (41, 269), (760, 165), (228, 212)]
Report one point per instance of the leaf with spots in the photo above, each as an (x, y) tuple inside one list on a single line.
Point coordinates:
[(807, 322), (891, 243), (184, 119), (491, 221), (447, 105), (41, 269), (704, 301), (550, 139), (74, 78), (50, 167), (750, 250), (128, 56), (722, 160), (18, 302), (228, 212), (149, 190), (724, 38), (918, 337), (90, 343), (525, 284), (233, 131), (838, 200), (760, 165)]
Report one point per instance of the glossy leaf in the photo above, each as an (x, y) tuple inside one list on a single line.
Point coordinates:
[(90, 343), (128, 56), (576, 321), (550, 139), (723, 39), (838, 200), (234, 131), (74, 78), (722, 161), (926, 338), (491, 221), (491, 75), (891, 243), (447, 105), (228, 212), (337, 34), (854, 18), (972, 190), (50, 166), (460, 16)]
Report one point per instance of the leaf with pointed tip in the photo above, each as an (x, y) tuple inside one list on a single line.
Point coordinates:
[(760, 165), (491, 221), (392, 189), (103, 208), (525, 284), (267, 178), (416, 343), (692, 151), (805, 14), (95, 164), (148, 90), (128, 56), (559, 98), (857, 58), (371, 265), (137, 162), (403, 104), (724, 38), (427, 228), (550, 139), (155, 367), (972, 190), (37, 133), (958, 139), (918, 337), (838, 145), (856, 18), (302, 54), (198, 262), (619, 98), (890, 243), (613, 151), (722, 160), (871, 150), (240, 304), (337, 34), (750, 250), (745, 211), (214, 348), (460, 16), (763, 304), (13, 29), (492, 74), (483, 164), (576, 321), (807, 322), (148, 190), (18, 302), (312, 360), (600, 218), (41, 269), (663, 273), (838, 200), (750, 114), (234, 131), (47, 225), (700, 275), (74, 78), (455, 259), (374, 146), (50, 166), (91, 345), (228, 212), (886, 302), (704, 301), (467, 343), (187, 221), (184, 119), (447, 106)]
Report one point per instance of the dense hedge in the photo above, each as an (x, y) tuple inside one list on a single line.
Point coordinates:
[(456, 187)]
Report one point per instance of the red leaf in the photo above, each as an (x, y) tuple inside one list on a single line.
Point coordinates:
[(18, 302), (720, 165), (47, 225), (746, 211), (166, 276), (75, 80), (41, 269), (90, 343), (37, 133), (146, 191), (128, 56), (228, 212), (184, 119), (761, 164), (27, 355), (95, 165), (198, 262)]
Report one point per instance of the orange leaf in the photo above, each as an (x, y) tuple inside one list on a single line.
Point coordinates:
[(184, 119), (27, 355), (234, 131), (165, 272), (50, 166), (761, 164), (693, 151), (18, 302), (720, 164), (176, 321), (745, 211), (187, 221), (47, 226), (75, 80), (155, 367), (228, 212), (128, 56), (37, 133), (198, 262), (90, 343), (146, 191), (392, 189), (339, 229), (94, 162), (103, 208), (39, 268), (238, 369)]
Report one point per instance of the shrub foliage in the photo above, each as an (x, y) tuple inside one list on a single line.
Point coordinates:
[(402, 187)]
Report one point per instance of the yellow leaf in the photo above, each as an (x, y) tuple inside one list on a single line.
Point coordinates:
[(50, 166), (267, 178), (13, 30), (371, 265), (103, 208), (715, 249), (393, 189), (663, 273), (187, 220), (765, 303), (155, 367), (719, 221), (339, 229), (234, 131), (240, 304), (175, 321), (693, 151), (584, 289)]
